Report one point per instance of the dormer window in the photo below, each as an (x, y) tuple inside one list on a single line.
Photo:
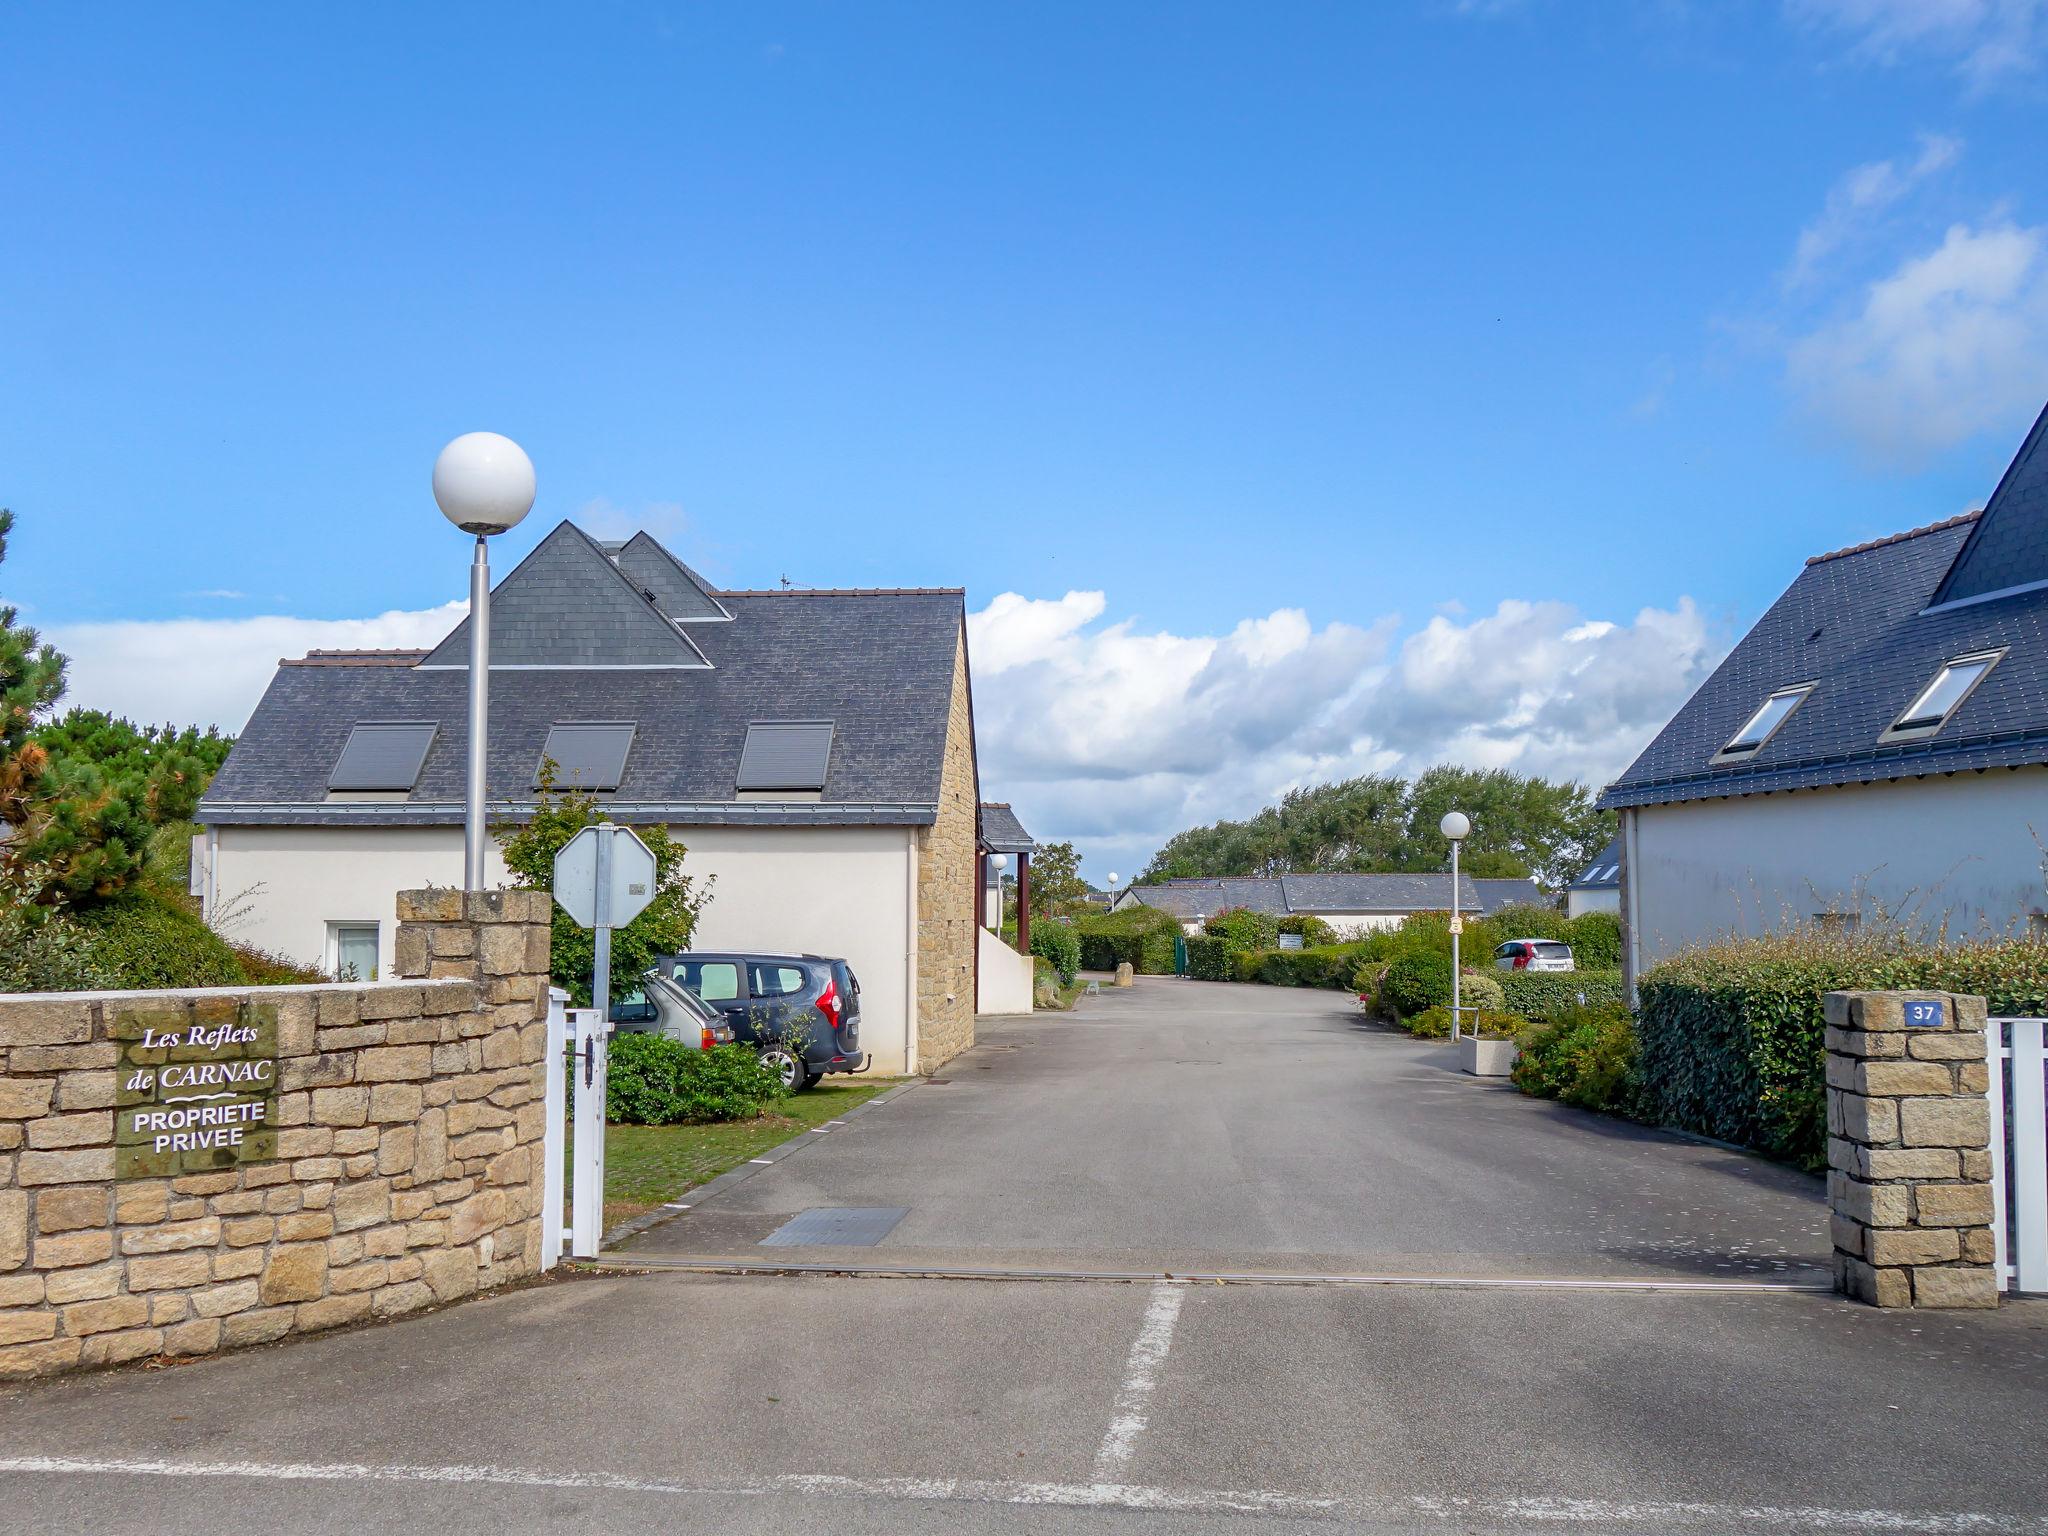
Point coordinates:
[(1763, 725), (1941, 698)]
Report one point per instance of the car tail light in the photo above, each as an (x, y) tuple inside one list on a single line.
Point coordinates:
[(828, 1003), (1522, 958), (709, 1038)]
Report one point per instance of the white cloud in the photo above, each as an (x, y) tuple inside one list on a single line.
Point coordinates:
[(1118, 738), (1951, 343), (1856, 200), (212, 671), (1986, 40)]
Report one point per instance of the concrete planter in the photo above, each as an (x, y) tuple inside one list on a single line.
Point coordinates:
[(1486, 1058)]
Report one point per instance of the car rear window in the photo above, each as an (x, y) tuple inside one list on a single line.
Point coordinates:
[(1550, 949), (848, 982), (771, 980), (716, 981)]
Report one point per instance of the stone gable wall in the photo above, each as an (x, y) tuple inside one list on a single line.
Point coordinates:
[(946, 894), (397, 1164)]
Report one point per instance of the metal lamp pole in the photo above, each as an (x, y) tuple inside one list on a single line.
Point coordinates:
[(1456, 827), (484, 485)]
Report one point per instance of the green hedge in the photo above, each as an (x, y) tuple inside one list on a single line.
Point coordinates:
[(1143, 936), (1244, 930), (1058, 943), (1323, 965), (1543, 995), (145, 941), (1416, 982), (1585, 1056), (1731, 1034), (1209, 959), (1314, 932), (657, 1081)]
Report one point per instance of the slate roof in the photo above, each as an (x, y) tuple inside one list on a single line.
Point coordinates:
[(1496, 892), (1282, 895), (1604, 873), (1001, 831), (878, 665), (1870, 627)]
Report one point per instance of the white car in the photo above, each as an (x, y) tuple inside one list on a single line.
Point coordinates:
[(1534, 955)]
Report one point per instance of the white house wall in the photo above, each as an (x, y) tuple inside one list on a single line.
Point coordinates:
[(839, 891), (1960, 853), (1577, 903)]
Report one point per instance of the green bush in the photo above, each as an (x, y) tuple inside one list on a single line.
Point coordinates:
[(1209, 959), (1143, 936), (1595, 938), (1325, 965), (45, 951), (1416, 982), (1546, 994), (1366, 981), (1731, 1034), (657, 1081), (1478, 989), (1585, 1056), (1058, 943), (144, 940), (1244, 930), (1315, 933), (1435, 1024)]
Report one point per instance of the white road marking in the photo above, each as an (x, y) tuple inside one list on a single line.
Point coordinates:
[(677, 1205), (760, 1159), (1141, 1377), (1521, 1512)]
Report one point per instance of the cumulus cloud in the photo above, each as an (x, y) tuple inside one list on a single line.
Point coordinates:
[(212, 671), (1985, 40), (1951, 343), (1857, 199), (1118, 737)]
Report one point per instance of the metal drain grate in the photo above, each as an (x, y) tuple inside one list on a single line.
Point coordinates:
[(858, 1226)]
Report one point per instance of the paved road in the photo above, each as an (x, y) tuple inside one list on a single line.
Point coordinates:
[(1189, 1125), (770, 1404)]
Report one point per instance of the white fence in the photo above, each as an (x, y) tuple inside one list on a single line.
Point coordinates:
[(2018, 1057), (572, 1208)]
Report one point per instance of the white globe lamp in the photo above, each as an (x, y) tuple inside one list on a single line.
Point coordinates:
[(483, 483), (1455, 825)]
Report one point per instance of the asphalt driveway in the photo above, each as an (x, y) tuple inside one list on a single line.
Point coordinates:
[(1187, 1126)]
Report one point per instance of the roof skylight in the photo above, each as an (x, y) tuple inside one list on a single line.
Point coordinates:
[(1763, 725), (1941, 698), (382, 755), (587, 755), (786, 755)]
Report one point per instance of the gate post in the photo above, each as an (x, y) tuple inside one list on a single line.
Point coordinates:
[(1909, 1165)]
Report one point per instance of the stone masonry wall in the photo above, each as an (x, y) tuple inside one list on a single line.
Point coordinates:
[(387, 1160), (946, 894), (1909, 1166)]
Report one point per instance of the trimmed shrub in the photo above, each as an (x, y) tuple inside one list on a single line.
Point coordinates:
[(1547, 994), (1477, 989), (1595, 938), (1209, 959), (1326, 965), (1416, 982), (1143, 936), (143, 940), (1244, 930), (1315, 933), (1585, 1056), (1435, 1024), (1731, 1035), (1058, 943), (656, 1081)]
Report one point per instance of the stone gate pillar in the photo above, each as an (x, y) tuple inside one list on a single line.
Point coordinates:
[(1909, 1166)]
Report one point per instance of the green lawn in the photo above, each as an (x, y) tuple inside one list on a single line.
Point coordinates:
[(650, 1165)]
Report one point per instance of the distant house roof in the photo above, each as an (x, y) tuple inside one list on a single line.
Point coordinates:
[(1496, 892), (575, 641), (1312, 895), (1604, 873), (1001, 831), (1869, 628)]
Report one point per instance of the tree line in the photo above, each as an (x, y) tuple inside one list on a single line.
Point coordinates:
[(1522, 825)]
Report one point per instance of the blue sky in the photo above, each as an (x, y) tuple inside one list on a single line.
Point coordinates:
[(1377, 317)]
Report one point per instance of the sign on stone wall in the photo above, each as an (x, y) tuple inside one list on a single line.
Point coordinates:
[(196, 1089)]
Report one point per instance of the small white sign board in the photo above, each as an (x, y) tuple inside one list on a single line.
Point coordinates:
[(630, 866)]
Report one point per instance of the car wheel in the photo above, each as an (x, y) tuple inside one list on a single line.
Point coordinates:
[(787, 1065)]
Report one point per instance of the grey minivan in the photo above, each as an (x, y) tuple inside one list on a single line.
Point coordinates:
[(801, 1011)]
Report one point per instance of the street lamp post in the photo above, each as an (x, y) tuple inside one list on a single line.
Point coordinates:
[(1457, 827), (484, 485)]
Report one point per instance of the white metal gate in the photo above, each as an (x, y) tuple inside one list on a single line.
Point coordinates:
[(572, 1207), (2018, 1058)]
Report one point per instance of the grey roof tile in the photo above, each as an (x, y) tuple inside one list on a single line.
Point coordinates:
[(1496, 892), (1604, 872), (1002, 831)]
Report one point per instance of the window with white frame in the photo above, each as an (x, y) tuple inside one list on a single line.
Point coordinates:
[(1763, 725), (352, 951), (1937, 703)]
